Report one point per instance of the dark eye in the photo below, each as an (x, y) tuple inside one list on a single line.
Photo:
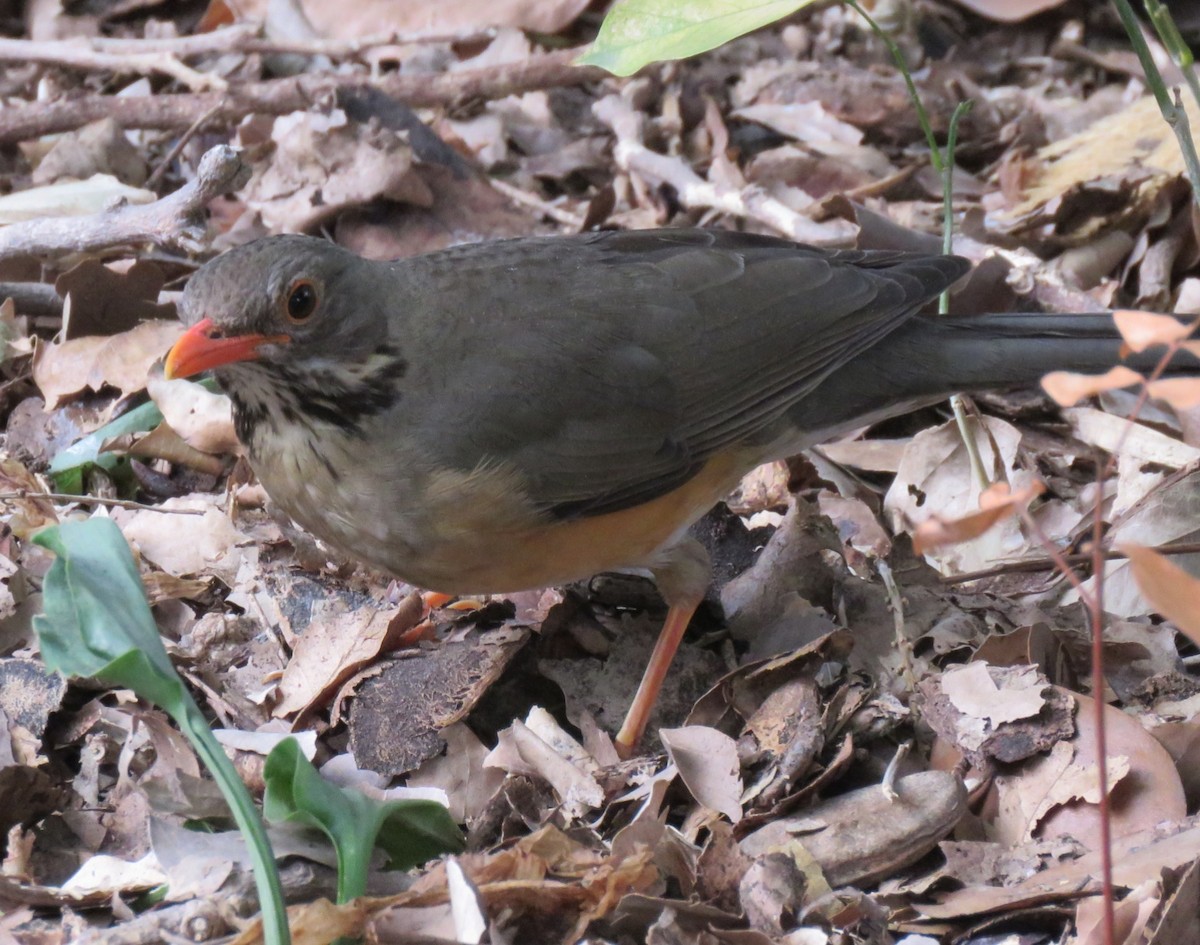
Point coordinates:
[(302, 301)]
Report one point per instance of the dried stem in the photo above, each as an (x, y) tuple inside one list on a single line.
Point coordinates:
[(175, 220), (177, 112)]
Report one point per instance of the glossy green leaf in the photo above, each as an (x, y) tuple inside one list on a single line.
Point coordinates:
[(409, 831), (638, 32), (96, 621), (68, 466)]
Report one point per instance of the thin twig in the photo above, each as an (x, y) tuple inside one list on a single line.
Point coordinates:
[(295, 93), (97, 500), (1173, 112), (238, 38), (1050, 564), (75, 55), (177, 148), (545, 207)]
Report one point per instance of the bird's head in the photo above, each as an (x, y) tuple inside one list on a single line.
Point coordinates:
[(297, 331), (278, 301)]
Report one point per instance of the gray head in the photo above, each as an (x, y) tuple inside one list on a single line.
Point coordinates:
[(295, 322)]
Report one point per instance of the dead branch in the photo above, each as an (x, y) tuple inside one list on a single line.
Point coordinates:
[(175, 220), (693, 191), (164, 56), (76, 54), (280, 96), (238, 38)]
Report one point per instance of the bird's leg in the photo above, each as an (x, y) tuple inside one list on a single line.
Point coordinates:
[(682, 572), (677, 622)]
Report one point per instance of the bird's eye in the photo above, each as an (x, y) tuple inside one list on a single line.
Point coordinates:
[(302, 299)]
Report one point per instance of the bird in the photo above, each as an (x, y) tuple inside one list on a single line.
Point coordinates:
[(529, 412)]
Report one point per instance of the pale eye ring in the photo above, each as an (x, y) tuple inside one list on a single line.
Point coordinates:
[(301, 302)]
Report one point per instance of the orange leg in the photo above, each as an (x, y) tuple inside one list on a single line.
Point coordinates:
[(678, 618)]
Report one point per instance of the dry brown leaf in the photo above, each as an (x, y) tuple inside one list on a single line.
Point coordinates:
[(460, 772), (1182, 393), (333, 647), (708, 764), (1136, 858), (202, 419), (997, 502), (1056, 795), (323, 163), (520, 750), (121, 361), (1130, 916), (973, 692), (1066, 388), (935, 480), (1170, 590), (1142, 330), (187, 545), (1153, 792)]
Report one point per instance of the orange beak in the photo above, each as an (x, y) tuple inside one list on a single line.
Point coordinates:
[(201, 348)]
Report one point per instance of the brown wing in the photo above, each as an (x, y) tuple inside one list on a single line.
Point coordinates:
[(608, 368)]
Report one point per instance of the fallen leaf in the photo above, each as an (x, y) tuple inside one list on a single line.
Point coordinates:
[(973, 692), (1142, 330), (203, 420), (1182, 393), (708, 764), (1170, 590), (997, 503), (1067, 388), (90, 363)]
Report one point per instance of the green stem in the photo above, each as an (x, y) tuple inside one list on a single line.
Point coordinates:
[(948, 193), (1181, 53), (245, 814), (935, 155), (1173, 112), (354, 860)]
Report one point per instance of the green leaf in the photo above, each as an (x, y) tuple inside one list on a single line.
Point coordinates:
[(409, 831), (96, 621), (68, 466), (416, 831), (638, 32)]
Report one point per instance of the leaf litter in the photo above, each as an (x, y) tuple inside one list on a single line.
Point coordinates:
[(769, 814)]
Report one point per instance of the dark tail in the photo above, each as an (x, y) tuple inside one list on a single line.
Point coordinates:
[(931, 357)]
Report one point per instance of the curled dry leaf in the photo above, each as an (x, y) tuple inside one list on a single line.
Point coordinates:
[(203, 420), (997, 502), (119, 361), (1170, 590), (1066, 388), (520, 750), (708, 764), (1149, 794), (1142, 330)]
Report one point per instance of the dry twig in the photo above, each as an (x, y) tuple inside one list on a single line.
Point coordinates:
[(297, 93), (175, 220), (74, 54)]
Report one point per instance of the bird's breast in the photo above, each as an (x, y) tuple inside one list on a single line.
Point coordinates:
[(469, 532)]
